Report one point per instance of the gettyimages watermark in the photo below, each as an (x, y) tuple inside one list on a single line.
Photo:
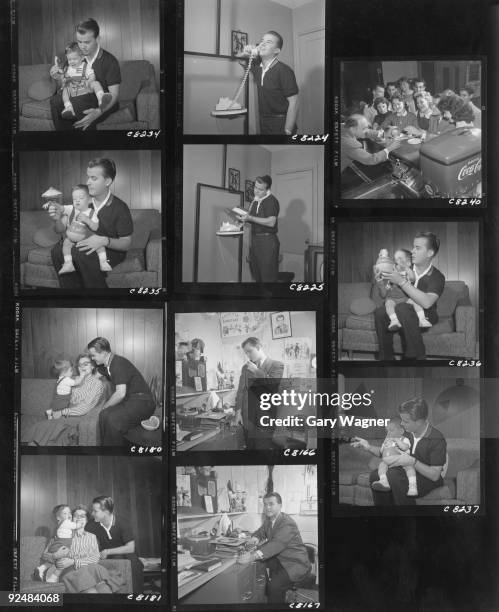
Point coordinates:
[(326, 408)]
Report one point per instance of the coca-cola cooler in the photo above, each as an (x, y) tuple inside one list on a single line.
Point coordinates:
[(451, 164)]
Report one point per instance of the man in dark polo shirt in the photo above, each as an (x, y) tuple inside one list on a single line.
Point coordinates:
[(115, 538), (114, 232), (264, 249), (427, 455), (131, 401), (276, 86), (427, 288), (107, 73)]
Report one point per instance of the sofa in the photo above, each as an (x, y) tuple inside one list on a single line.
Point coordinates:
[(454, 335), (30, 553), (36, 395), (461, 481), (141, 268), (138, 98)]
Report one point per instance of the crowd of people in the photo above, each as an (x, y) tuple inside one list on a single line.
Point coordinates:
[(404, 106), (408, 105)]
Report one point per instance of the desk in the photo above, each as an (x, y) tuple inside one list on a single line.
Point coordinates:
[(232, 583)]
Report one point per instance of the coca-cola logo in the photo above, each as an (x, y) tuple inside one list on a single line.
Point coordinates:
[(471, 167)]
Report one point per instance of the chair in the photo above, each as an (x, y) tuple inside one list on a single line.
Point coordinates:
[(306, 589)]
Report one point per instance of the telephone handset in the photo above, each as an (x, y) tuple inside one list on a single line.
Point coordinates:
[(227, 107)]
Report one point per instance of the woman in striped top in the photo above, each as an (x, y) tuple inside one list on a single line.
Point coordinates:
[(84, 398), (81, 570)]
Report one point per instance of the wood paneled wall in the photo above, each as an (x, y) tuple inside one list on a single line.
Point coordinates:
[(133, 482), (137, 183), (129, 29), (360, 242), (50, 333)]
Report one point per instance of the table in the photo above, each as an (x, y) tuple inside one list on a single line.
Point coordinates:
[(408, 153)]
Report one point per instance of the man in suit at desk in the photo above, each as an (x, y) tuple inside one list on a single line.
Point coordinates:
[(258, 366), (281, 548)]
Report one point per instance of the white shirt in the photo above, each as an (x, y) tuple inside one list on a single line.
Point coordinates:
[(265, 69), (259, 201), (97, 207), (416, 440), (418, 276), (90, 62), (65, 529), (64, 385)]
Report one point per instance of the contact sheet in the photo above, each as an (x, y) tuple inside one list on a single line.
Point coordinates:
[(249, 305)]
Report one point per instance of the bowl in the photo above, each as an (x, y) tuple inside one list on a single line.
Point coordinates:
[(151, 423)]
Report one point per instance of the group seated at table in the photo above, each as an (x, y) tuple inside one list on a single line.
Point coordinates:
[(407, 106)]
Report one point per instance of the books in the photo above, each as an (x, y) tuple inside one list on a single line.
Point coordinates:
[(208, 565)]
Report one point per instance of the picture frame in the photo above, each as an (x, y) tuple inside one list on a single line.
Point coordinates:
[(280, 323), (249, 191), (234, 179), (238, 41)]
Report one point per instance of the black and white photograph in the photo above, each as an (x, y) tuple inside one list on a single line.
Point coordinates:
[(86, 65), (408, 289), (262, 542), (254, 68), (227, 238), (90, 219), (92, 377), (90, 525), (428, 454), (217, 356), (411, 129)]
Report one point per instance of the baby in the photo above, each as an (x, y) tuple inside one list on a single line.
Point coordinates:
[(65, 383), (48, 572), (395, 443), (393, 294), (81, 220), (79, 79)]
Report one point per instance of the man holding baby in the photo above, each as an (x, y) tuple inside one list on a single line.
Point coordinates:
[(107, 73), (114, 231)]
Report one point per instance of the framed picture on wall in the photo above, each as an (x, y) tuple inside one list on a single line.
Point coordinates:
[(234, 179), (249, 191), (280, 323), (239, 41)]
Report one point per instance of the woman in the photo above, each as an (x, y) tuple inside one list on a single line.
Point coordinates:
[(84, 398), (82, 572), (407, 94), (429, 119), (401, 117), (382, 107)]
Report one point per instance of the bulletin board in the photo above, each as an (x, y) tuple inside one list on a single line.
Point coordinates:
[(217, 259)]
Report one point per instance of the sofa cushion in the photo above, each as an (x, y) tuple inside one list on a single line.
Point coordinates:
[(36, 109), (124, 114), (444, 325), (447, 302), (133, 74), (347, 292), (42, 89), (362, 306), (46, 237), (363, 323), (134, 262), (40, 256)]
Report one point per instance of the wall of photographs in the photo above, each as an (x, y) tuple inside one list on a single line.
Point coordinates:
[(219, 204)]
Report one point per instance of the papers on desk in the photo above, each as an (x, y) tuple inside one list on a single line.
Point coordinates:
[(186, 576), (214, 416)]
